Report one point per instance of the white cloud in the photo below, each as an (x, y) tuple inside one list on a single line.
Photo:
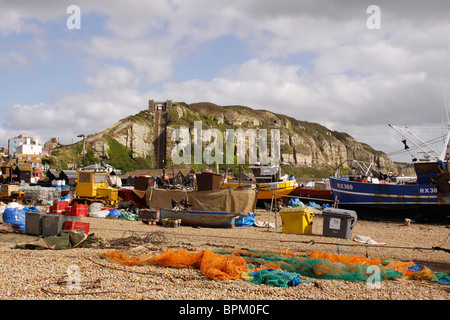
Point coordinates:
[(113, 78), (152, 61), (72, 114), (356, 80), (16, 16)]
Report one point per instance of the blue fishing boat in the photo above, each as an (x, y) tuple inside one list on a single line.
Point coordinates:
[(427, 197)]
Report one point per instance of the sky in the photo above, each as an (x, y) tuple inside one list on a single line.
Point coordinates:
[(346, 64)]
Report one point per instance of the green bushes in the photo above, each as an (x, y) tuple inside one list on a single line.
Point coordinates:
[(120, 157)]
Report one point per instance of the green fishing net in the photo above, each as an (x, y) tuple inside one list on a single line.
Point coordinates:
[(313, 267)]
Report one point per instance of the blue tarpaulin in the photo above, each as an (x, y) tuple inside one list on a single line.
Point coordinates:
[(114, 213), (248, 221), (15, 216)]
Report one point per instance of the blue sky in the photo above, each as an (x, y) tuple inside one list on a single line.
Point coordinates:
[(210, 58), (312, 60)]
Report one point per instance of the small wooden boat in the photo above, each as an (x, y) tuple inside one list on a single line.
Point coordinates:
[(197, 218), (267, 180), (316, 190)]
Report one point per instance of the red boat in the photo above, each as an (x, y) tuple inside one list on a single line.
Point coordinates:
[(314, 190)]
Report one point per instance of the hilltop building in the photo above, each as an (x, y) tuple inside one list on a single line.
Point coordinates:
[(49, 146), (23, 145)]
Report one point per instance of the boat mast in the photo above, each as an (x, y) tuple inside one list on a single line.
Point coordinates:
[(402, 132), (445, 152)]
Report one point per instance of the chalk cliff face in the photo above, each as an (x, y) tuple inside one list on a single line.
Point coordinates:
[(303, 144), (134, 132)]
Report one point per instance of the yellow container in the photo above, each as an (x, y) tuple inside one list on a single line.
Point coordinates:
[(173, 223), (297, 220)]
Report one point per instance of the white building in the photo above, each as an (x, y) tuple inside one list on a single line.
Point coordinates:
[(23, 145)]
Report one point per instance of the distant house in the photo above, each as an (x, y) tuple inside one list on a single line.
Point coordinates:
[(30, 160), (49, 146), (21, 174), (98, 167), (116, 172), (139, 172), (127, 180), (23, 145), (47, 178), (36, 175), (6, 169), (69, 176), (52, 175)]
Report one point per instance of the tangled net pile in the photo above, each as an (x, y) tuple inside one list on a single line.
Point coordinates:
[(278, 268), (134, 239)]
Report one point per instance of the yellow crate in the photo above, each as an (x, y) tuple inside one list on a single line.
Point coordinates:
[(297, 220), (173, 223)]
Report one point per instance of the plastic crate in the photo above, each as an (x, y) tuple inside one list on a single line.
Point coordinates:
[(148, 215), (171, 223), (52, 224), (59, 207), (80, 210), (77, 226), (338, 223), (297, 220)]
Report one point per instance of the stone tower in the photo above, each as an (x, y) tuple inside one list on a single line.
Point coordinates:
[(159, 109)]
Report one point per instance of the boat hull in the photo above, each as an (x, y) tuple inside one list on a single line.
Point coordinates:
[(389, 200), (209, 219), (267, 190), (312, 193)]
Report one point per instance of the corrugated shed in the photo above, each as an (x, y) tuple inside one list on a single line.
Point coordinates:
[(69, 176)]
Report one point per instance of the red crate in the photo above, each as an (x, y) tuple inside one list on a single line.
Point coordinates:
[(54, 209), (77, 226), (80, 210), (59, 207)]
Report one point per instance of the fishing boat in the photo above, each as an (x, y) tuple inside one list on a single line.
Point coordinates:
[(317, 190), (428, 197), (267, 180), (199, 218)]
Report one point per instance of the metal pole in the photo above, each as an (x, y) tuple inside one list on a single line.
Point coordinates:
[(270, 213), (84, 146)]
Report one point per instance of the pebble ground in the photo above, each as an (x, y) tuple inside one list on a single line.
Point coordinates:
[(48, 274)]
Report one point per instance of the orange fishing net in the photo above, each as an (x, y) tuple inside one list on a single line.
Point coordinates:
[(231, 264), (409, 270), (212, 265), (399, 266), (346, 260)]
